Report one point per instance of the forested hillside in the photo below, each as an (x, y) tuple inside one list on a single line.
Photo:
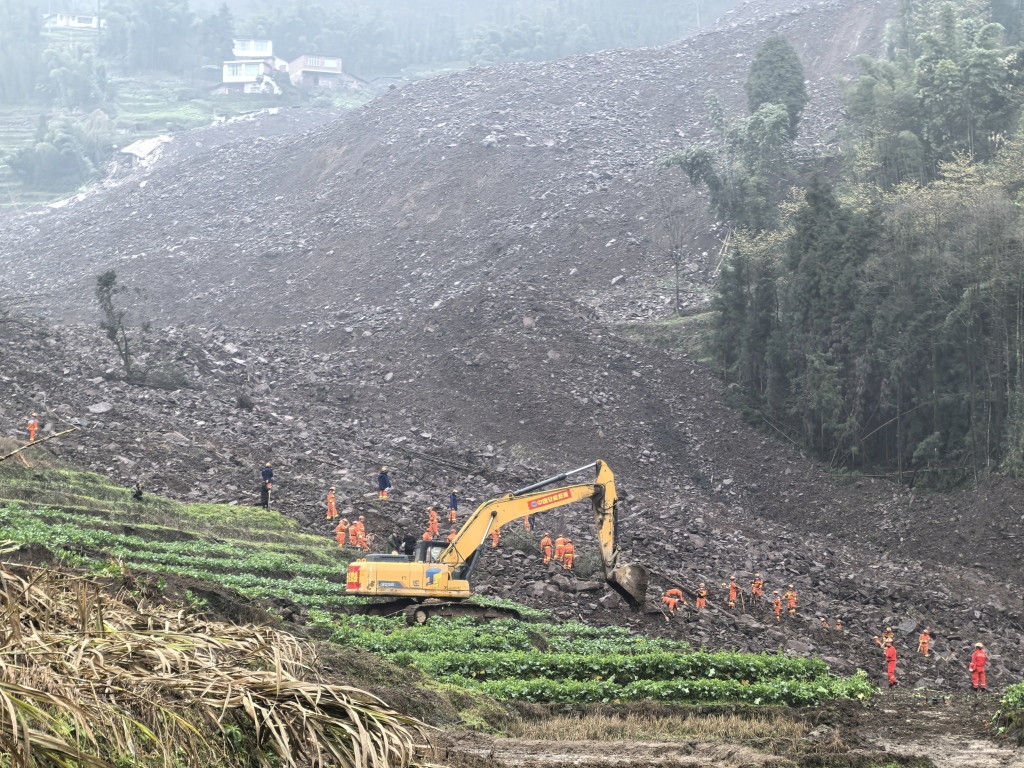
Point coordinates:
[(875, 313)]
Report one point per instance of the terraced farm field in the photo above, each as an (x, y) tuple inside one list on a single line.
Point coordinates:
[(83, 521), (574, 663), (87, 522)]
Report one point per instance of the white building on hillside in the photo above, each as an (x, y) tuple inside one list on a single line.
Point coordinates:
[(72, 21), (251, 48), (251, 68)]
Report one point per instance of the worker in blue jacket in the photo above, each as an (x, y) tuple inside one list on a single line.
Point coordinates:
[(453, 507), (383, 484)]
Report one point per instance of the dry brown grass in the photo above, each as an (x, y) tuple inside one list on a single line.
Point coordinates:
[(646, 727), (90, 679), (36, 457)]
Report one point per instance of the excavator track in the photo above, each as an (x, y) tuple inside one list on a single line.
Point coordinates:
[(424, 612), (420, 612)]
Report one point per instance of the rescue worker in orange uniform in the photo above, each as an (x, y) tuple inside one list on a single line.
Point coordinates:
[(839, 625), (672, 598), (890, 659), (545, 547), (332, 510), (495, 535), (526, 523), (353, 534), (978, 660), (33, 425), (361, 540), (451, 535), (340, 532), (567, 555), (924, 640), (757, 586), (790, 598), (559, 547), (702, 597), (777, 606), (432, 521), (428, 535), (824, 622), (734, 591)]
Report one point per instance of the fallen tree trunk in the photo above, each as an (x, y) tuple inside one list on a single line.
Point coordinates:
[(12, 454)]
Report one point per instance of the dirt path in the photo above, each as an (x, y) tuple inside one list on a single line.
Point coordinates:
[(956, 752), (955, 733), (479, 750)]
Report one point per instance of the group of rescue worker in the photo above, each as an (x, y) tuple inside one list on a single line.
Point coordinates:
[(561, 550), (356, 533), (674, 598), (887, 642)]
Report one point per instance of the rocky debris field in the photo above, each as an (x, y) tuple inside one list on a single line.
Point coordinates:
[(543, 171)]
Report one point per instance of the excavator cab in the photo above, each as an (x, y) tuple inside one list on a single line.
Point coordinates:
[(428, 551), (425, 552)]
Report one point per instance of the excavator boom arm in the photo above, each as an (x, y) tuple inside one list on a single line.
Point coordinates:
[(630, 581)]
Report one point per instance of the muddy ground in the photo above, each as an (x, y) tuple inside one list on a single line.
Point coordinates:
[(902, 728)]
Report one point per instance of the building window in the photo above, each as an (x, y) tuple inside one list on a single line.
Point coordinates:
[(252, 69), (242, 45), (331, 63), (234, 70), (262, 45), (314, 61)]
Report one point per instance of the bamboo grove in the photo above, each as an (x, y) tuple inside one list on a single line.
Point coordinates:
[(877, 317)]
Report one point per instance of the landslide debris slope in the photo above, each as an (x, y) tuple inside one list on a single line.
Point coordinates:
[(434, 189), (397, 289)]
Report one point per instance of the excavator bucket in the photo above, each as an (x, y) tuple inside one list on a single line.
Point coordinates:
[(630, 581)]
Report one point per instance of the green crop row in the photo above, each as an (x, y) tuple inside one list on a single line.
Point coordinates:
[(140, 551), (795, 693), (464, 636), (301, 589), (301, 544), (261, 561), (617, 668), (435, 637)]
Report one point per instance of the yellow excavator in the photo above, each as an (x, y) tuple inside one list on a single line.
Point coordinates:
[(436, 579)]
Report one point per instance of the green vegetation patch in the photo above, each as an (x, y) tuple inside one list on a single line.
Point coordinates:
[(87, 522), (576, 663), (687, 334), (1010, 717)]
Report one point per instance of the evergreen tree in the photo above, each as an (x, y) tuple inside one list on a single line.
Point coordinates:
[(747, 174), (948, 84), (777, 77), (21, 48), (216, 34)]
